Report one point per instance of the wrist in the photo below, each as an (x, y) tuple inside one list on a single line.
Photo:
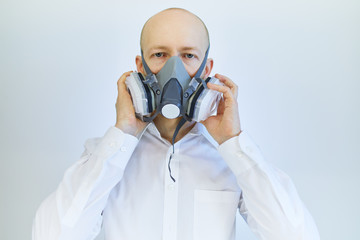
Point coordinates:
[(126, 128), (224, 139), (135, 131)]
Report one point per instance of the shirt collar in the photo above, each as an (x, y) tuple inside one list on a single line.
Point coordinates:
[(153, 130), (198, 129)]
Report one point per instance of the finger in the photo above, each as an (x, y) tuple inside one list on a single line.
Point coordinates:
[(225, 90), (221, 107), (228, 82), (121, 81)]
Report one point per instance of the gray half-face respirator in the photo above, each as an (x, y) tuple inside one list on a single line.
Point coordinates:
[(172, 92)]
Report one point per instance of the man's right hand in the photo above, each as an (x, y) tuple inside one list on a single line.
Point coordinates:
[(125, 112)]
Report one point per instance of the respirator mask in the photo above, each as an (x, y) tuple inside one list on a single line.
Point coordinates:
[(172, 92)]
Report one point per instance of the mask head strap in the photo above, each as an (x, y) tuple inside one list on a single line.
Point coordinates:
[(146, 67), (202, 66)]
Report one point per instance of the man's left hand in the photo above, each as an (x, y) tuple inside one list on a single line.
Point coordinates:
[(226, 124)]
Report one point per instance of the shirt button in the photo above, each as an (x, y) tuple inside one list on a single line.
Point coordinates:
[(123, 149), (112, 144), (171, 187)]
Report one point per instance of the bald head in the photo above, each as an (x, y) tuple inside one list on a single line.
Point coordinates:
[(173, 20)]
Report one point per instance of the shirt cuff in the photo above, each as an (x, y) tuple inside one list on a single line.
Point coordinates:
[(114, 141), (107, 157), (241, 153)]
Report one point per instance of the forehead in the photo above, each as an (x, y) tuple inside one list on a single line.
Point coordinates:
[(175, 30)]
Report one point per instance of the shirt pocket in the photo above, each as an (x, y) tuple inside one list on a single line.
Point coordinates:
[(215, 214)]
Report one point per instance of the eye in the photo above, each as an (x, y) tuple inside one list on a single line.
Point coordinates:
[(189, 55), (159, 54)]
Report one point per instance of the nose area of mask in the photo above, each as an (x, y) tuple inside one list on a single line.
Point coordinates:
[(171, 99), (173, 68)]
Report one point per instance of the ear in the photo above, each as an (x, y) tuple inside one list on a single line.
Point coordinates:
[(139, 64), (208, 67)]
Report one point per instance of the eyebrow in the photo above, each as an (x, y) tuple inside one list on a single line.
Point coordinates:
[(160, 47)]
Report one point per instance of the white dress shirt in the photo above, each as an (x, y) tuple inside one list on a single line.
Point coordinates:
[(123, 184)]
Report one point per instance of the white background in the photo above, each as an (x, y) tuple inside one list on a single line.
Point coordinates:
[(296, 63)]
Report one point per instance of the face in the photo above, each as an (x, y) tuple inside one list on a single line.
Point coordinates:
[(174, 33)]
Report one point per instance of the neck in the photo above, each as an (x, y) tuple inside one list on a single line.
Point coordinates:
[(167, 127)]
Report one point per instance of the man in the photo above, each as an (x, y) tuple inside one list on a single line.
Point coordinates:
[(122, 181)]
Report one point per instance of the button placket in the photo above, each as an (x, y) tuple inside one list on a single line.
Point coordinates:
[(171, 196), (171, 187)]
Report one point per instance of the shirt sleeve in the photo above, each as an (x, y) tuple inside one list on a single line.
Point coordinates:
[(269, 201), (74, 210)]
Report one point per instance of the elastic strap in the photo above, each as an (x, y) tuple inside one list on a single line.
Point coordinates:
[(146, 67), (180, 124), (202, 66)]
